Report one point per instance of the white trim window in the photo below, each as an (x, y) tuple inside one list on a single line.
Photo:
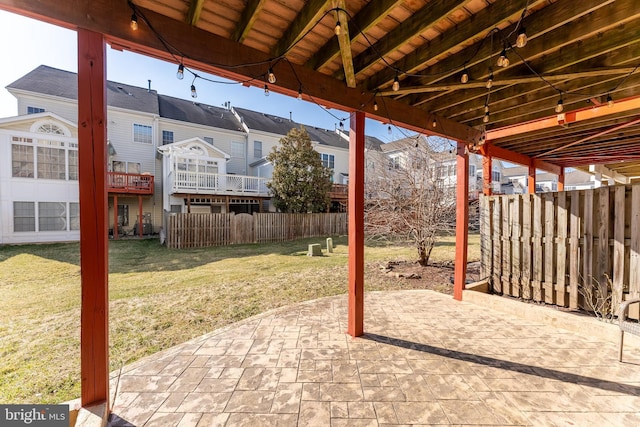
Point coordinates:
[(24, 216), (328, 160), (257, 149), (52, 216), (167, 137), (142, 133)]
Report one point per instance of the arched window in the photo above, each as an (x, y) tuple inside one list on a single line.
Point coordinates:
[(50, 127)]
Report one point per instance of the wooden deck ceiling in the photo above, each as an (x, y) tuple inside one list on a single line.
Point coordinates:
[(581, 52)]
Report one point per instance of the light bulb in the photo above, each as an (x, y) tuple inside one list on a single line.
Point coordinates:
[(396, 84), (485, 119), (194, 94), (434, 123), (486, 108), (490, 79), (521, 41), (375, 105), (180, 73), (465, 77), (341, 126), (134, 22), (389, 129), (559, 106), (266, 90), (271, 76), (300, 94), (502, 58), (609, 101), (505, 62), (338, 28)]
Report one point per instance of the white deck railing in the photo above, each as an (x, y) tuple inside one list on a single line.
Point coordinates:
[(213, 183)]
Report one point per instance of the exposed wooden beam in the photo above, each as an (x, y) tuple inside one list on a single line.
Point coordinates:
[(483, 22), (368, 17), (248, 18), (544, 54), (548, 19), (306, 18), (220, 56), (411, 27), (596, 135), (491, 150), (195, 9), (345, 44), (511, 81), (355, 324), (569, 117), (94, 246)]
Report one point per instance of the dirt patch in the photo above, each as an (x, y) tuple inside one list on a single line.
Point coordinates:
[(435, 276)]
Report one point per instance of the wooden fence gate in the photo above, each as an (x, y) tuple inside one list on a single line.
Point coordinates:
[(194, 230), (573, 249)]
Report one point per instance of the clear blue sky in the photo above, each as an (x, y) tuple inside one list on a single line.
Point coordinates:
[(26, 43)]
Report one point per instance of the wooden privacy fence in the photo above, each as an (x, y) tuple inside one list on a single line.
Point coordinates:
[(195, 230), (575, 249)]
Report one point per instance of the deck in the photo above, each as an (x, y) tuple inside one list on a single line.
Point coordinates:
[(425, 359)]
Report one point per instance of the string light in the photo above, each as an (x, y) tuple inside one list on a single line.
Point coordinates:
[(341, 125), (490, 79), (338, 28), (389, 129), (271, 77), (396, 83), (266, 90), (300, 93), (180, 72), (521, 41), (375, 105), (434, 123), (465, 76), (134, 22), (485, 119), (503, 61), (560, 106), (194, 94), (609, 101), (486, 108)]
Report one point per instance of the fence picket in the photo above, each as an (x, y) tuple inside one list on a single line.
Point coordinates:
[(549, 225), (561, 251)]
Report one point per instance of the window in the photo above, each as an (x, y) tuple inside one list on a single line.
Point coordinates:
[(123, 215), (118, 166), (495, 176), (24, 216), (34, 110), (208, 139), (167, 137), (51, 128), (328, 160), (237, 149), (22, 161), (394, 163), (142, 133), (52, 216), (257, 149), (472, 170), (74, 216), (73, 165), (133, 167), (51, 163)]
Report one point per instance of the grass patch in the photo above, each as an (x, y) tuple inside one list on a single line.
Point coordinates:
[(158, 298)]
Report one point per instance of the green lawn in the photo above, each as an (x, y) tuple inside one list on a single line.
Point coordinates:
[(158, 298)]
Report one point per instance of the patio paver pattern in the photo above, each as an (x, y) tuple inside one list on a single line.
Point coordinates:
[(425, 360)]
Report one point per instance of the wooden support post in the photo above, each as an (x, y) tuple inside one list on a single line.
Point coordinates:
[(92, 161), (356, 225), (116, 232), (561, 179), (487, 173), (140, 227), (531, 181), (462, 221)]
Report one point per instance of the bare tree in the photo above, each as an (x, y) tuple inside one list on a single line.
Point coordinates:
[(410, 193)]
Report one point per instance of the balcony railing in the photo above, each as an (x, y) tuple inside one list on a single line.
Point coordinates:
[(213, 183), (129, 183), (339, 191)]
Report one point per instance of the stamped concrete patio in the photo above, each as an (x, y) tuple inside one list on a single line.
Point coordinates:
[(425, 360)]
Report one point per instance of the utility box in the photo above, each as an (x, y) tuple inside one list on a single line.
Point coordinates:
[(315, 250)]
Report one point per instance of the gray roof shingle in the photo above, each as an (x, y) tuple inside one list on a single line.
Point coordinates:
[(52, 81), (195, 112)]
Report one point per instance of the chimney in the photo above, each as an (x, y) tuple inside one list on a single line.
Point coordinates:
[(149, 89)]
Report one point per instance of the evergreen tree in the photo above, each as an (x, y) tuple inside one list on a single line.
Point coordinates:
[(300, 182)]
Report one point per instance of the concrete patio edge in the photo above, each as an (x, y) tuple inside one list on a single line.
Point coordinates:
[(550, 315)]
